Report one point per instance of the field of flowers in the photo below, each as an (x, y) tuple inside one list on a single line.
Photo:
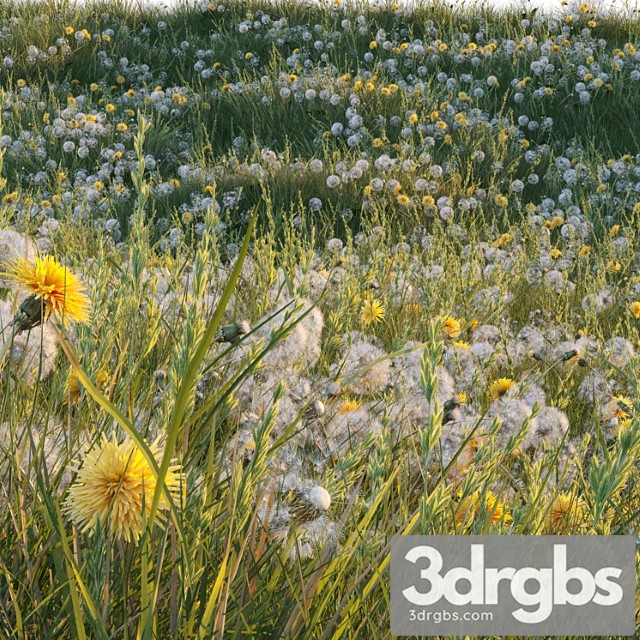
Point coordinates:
[(281, 281)]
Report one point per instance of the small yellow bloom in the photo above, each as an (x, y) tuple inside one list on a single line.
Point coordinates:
[(372, 311), (613, 266), (472, 506), (73, 386), (566, 512), (499, 387), (451, 327), (350, 405), (619, 407), (500, 200), (634, 307)]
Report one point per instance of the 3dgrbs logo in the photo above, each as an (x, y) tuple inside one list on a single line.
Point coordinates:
[(513, 585)]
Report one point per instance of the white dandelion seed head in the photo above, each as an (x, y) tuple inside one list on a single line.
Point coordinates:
[(15, 245), (487, 333), (512, 414), (530, 394), (552, 427), (319, 498), (359, 373), (594, 388), (619, 351)]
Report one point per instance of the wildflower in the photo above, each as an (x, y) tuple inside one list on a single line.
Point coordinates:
[(619, 408), (566, 512), (499, 387), (115, 485), (53, 288), (634, 307), (350, 405), (372, 311), (472, 506), (73, 387), (451, 327), (613, 266), (500, 200)]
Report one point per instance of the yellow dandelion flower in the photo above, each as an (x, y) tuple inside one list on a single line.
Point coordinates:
[(505, 238), (634, 307), (73, 386), (500, 200), (472, 506), (461, 344), (619, 407), (461, 397), (372, 311), (613, 266), (116, 484), (350, 404), (60, 290), (451, 327), (554, 254), (499, 387), (566, 512)]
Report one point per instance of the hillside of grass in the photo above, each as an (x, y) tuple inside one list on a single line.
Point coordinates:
[(281, 281)]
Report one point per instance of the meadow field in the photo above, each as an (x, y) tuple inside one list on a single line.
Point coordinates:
[(280, 281)]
